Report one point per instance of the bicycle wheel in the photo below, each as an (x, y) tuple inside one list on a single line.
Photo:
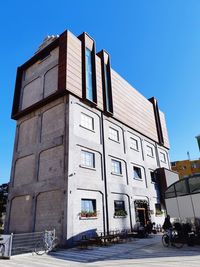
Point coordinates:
[(165, 240), (40, 248), (55, 244), (2, 250), (177, 241)]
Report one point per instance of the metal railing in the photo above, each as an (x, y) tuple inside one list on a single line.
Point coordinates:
[(23, 243)]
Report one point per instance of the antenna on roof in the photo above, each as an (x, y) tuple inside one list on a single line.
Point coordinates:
[(188, 154)]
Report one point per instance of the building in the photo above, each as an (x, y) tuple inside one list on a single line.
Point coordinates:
[(90, 151), (186, 168), (182, 199)]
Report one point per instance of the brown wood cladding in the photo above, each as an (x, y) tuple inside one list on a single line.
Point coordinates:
[(88, 42), (157, 119), (62, 61), (130, 107), (106, 82)]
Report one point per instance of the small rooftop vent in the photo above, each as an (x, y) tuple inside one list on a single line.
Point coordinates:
[(47, 40)]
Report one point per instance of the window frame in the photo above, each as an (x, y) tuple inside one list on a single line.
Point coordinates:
[(119, 211), (92, 120), (87, 212), (164, 158), (153, 179), (110, 135), (88, 43), (106, 82), (158, 209), (137, 144), (152, 150), (113, 169), (140, 170), (83, 165)]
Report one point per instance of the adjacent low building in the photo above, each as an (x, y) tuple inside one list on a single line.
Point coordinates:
[(186, 168), (182, 199), (91, 153)]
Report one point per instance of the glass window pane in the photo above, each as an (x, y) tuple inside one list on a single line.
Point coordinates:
[(87, 159), (87, 121), (149, 151), (113, 134), (88, 205), (107, 90), (89, 84), (170, 192), (119, 205), (137, 172), (181, 188), (153, 177), (162, 157), (194, 184), (116, 166), (134, 143)]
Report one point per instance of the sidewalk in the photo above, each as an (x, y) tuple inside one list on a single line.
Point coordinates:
[(139, 252)]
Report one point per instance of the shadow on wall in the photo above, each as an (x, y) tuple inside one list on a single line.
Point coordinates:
[(74, 240)]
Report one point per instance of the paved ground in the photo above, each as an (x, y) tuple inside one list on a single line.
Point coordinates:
[(139, 252)]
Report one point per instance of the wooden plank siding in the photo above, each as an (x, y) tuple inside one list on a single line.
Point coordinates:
[(130, 107)]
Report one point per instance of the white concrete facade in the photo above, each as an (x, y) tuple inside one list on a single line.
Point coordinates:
[(69, 152)]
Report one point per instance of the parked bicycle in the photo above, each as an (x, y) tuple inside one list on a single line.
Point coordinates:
[(48, 243), (174, 239)]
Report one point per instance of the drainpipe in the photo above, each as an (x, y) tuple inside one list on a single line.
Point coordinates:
[(105, 176)]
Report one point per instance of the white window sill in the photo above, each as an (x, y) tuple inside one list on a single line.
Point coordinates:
[(117, 174), (87, 167), (137, 150), (114, 140), (138, 179), (150, 156), (91, 130), (119, 217), (88, 218)]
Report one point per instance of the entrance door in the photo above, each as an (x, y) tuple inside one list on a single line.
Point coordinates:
[(142, 216)]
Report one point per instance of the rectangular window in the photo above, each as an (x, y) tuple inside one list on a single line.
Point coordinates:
[(181, 188), (173, 164), (162, 157), (194, 185), (87, 121), (137, 174), (89, 75), (119, 207), (149, 151), (153, 177), (88, 208), (134, 144), (113, 134), (195, 165), (158, 209), (108, 94), (116, 167), (87, 159), (106, 82)]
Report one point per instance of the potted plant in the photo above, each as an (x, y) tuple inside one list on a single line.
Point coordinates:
[(83, 213), (88, 214), (159, 212), (120, 213)]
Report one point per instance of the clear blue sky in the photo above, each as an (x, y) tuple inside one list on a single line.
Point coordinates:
[(154, 45)]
